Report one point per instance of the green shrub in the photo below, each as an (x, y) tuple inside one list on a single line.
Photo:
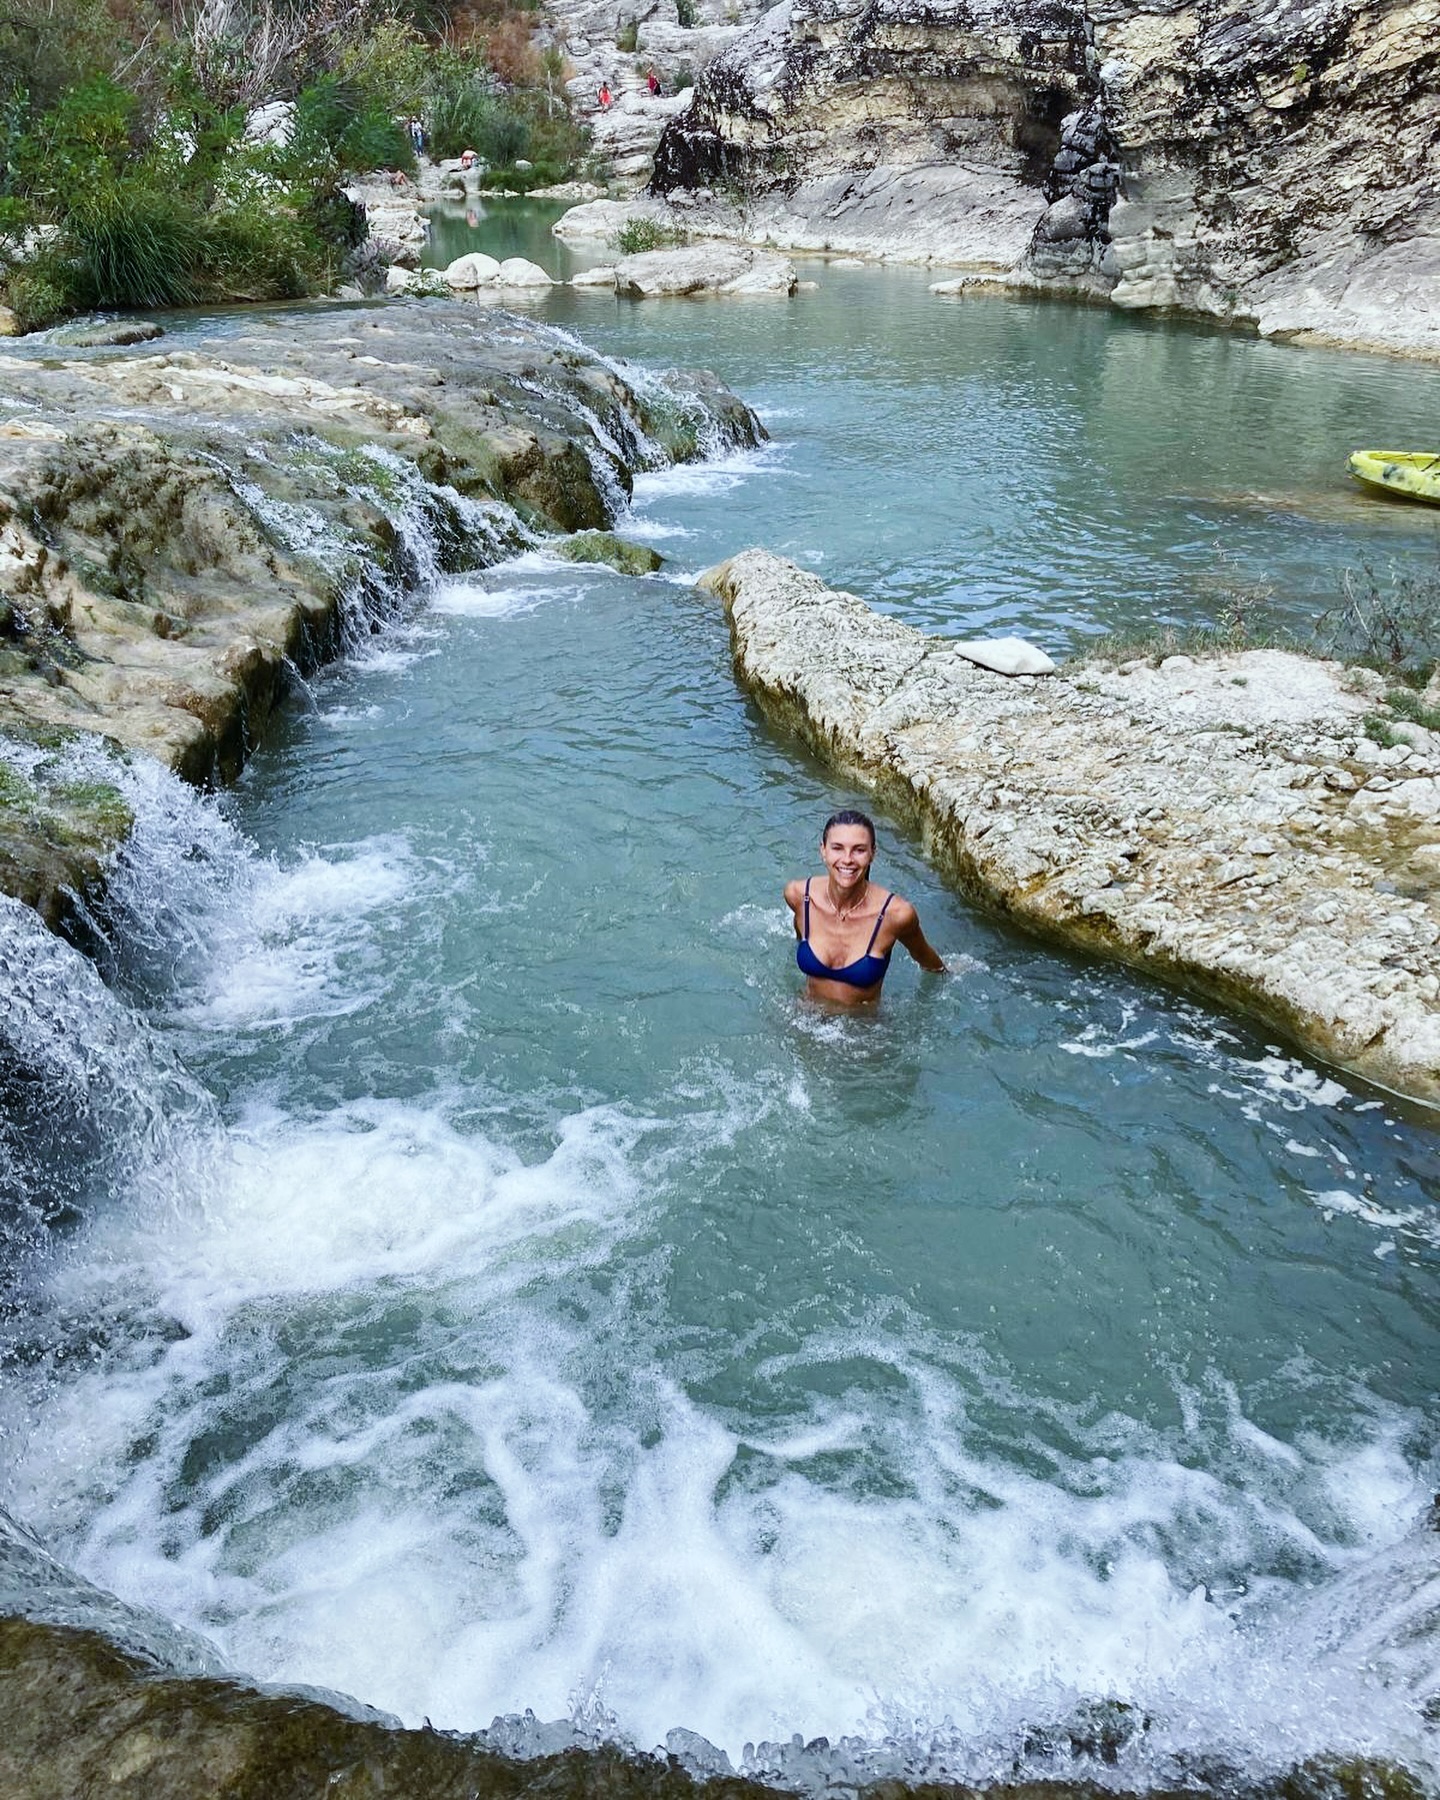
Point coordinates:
[(128, 244), (459, 114), (1389, 620), (392, 63), (505, 137), (84, 139), (50, 46), (501, 131), (627, 35), (636, 236), (259, 252), (685, 13), (339, 124), (36, 296)]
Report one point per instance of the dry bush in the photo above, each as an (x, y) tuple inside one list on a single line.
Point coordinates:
[(512, 55)]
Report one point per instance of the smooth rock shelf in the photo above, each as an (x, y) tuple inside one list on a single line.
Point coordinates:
[(1221, 822)]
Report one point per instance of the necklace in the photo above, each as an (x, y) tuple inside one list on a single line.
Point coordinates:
[(846, 914)]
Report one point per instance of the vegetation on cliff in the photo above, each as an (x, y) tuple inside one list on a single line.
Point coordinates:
[(167, 155)]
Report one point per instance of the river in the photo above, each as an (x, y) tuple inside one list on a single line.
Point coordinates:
[(513, 1296)]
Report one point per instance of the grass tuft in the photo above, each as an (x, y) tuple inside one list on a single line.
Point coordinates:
[(636, 236)]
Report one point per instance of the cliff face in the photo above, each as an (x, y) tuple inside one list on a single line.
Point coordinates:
[(1275, 162)]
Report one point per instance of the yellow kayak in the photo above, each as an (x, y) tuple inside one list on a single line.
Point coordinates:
[(1412, 474)]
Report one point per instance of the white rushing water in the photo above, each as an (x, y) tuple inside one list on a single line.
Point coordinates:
[(473, 1284)]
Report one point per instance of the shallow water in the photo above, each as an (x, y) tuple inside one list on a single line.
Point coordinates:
[(550, 1310)]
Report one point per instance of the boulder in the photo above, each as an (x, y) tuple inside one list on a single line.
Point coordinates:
[(271, 125), (594, 278), (615, 552), (399, 280), (1007, 656), (96, 334), (603, 219), (517, 272), (472, 271), (9, 324), (704, 269)]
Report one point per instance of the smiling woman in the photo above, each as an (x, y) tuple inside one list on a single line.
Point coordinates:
[(845, 906)]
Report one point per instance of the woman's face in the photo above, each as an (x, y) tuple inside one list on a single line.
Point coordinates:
[(847, 853)]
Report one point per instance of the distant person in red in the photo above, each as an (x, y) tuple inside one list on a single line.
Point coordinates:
[(469, 158), (605, 96), (652, 81)]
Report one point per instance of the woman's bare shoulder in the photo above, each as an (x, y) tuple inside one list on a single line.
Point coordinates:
[(794, 892)]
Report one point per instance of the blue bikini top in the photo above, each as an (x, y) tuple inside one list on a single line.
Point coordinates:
[(866, 971)]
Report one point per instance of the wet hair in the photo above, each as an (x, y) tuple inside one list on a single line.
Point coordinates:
[(848, 816)]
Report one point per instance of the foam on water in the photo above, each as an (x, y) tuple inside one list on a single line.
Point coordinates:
[(386, 1405), (716, 475), (512, 1509), (385, 1393)]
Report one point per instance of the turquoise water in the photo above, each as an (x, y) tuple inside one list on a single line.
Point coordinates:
[(556, 1312), (1040, 465)]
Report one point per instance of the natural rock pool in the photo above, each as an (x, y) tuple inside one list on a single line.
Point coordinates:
[(526, 1302)]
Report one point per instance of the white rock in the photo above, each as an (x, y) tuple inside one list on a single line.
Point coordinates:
[(603, 218), (594, 278), (400, 280), (472, 271), (1007, 656), (701, 269), (271, 124), (517, 272)]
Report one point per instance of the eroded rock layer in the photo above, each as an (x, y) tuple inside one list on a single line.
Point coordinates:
[(80, 1717), (1224, 824), (1275, 162)]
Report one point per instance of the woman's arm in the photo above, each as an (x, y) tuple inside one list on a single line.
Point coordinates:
[(908, 933), (794, 894)]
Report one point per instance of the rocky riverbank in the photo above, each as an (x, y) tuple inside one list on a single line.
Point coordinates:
[(1272, 166), (1226, 824), (81, 1716), (183, 529)]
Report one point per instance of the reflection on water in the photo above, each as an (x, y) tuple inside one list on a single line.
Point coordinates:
[(1038, 465)]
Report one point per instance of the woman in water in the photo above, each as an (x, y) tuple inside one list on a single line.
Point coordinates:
[(847, 927)]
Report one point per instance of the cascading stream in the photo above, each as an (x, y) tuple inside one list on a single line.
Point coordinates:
[(492, 1290)]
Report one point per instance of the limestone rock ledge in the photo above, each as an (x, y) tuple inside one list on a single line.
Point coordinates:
[(182, 529), (1221, 824), (80, 1717)]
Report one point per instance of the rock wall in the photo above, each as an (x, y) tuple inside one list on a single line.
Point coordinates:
[(1225, 825), (1272, 162)]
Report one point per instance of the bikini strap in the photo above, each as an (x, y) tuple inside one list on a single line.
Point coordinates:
[(805, 936), (876, 932)]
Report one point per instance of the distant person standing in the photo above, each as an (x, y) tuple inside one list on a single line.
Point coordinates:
[(605, 97), (652, 81), (417, 137)]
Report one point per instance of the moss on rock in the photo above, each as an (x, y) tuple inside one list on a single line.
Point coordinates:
[(78, 1716), (56, 836), (615, 552)]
